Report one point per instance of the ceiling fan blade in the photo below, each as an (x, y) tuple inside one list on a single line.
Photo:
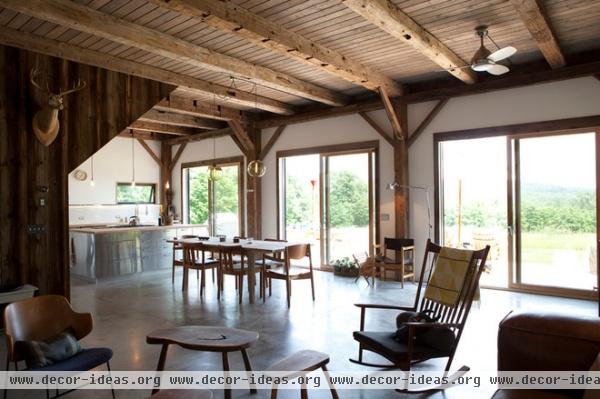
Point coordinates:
[(501, 54), (497, 69)]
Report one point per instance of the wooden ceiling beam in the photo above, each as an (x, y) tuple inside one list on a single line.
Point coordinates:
[(388, 17), (149, 151), (138, 134), (187, 106), (378, 129), (391, 114), (428, 119), (146, 126), (536, 21), (88, 20), (39, 44), (172, 118), (232, 18), (242, 136), (177, 156), (440, 92), (276, 134), (200, 136)]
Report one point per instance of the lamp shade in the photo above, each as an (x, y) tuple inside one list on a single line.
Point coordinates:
[(257, 168), (214, 172)]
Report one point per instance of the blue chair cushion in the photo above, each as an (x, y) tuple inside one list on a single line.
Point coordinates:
[(85, 360)]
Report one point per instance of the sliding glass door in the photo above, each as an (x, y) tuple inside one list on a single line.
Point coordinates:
[(327, 198), (474, 194), (555, 211), (216, 204), (533, 199)]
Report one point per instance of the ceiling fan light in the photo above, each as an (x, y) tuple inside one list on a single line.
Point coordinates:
[(481, 65)]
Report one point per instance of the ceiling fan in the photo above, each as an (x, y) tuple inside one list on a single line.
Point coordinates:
[(484, 60)]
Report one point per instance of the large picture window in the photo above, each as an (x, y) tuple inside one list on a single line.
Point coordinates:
[(217, 204), (141, 193)]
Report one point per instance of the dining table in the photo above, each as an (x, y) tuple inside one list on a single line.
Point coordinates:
[(252, 250)]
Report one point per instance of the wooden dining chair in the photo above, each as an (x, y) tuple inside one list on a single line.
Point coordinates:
[(195, 258), (403, 263), (232, 258), (43, 318), (178, 256), (288, 273)]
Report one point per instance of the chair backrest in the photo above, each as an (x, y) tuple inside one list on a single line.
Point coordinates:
[(193, 253), (274, 240), (40, 318), (457, 312), (396, 244), (226, 255), (189, 236), (298, 251)]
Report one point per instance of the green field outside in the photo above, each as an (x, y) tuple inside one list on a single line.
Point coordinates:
[(541, 247)]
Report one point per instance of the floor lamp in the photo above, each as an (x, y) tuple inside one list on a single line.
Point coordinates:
[(396, 186)]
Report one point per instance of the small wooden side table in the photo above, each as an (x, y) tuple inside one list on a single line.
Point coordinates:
[(206, 339)]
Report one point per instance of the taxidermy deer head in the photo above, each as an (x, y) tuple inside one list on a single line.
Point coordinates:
[(45, 121)]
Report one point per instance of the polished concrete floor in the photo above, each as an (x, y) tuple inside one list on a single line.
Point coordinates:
[(125, 310)]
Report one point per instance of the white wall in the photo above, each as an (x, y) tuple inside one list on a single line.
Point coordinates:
[(341, 130), (112, 164), (200, 151), (558, 100)]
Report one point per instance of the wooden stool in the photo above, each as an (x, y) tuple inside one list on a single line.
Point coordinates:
[(183, 394), (298, 364)]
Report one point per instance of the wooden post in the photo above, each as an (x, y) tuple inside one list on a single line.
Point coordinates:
[(253, 187), (165, 179), (401, 172)]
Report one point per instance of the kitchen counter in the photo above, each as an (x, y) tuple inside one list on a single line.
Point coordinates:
[(103, 252), (103, 228)]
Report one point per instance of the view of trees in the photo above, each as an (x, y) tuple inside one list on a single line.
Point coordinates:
[(226, 193), (349, 201), (138, 194), (543, 208)]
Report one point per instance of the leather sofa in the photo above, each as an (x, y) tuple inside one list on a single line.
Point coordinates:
[(539, 341)]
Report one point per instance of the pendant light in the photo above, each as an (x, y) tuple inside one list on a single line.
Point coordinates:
[(256, 168), (214, 171), (132, 159), (92, 182)]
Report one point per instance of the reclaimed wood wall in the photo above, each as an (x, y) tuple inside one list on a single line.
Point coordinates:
[(110, 102)]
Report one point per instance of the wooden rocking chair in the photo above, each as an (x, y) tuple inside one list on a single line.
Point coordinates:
[(450, 306)]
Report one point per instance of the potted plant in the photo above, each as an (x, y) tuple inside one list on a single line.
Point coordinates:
[(345, 267)]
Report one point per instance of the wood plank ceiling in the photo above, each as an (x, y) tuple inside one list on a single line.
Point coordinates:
[(280, 56)]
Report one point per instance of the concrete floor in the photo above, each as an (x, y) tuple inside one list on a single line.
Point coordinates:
[(125, 310)]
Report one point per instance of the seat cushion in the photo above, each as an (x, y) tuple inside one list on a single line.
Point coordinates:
[(384, 344), (85, 360), (532, 393)]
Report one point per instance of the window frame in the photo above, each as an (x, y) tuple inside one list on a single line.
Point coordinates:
[(128, 184), (228, 161)]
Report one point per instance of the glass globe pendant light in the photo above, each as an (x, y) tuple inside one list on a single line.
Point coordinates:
[(256, 168)]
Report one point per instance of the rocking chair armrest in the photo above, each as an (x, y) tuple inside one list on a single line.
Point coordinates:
[(416, 324), (382, 306)]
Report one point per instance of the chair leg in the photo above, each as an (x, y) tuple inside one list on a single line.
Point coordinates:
[(303, 392), (219, 283), (334, 394), (274, 391), (173, 274), (312, 285), (402, 274), (197, 274), (201, 282), (241, 277), (112, 388), (270, 286), (213, 274), (288, 285)]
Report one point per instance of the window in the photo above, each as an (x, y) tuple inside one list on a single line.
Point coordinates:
[(141, 193), (216, 204), (327, 196)]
